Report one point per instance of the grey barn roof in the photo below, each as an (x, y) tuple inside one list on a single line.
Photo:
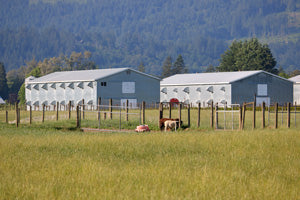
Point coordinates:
[(81, 75), (210, 78), (295, 79)]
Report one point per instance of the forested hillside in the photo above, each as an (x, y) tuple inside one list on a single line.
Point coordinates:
[(128, 32)]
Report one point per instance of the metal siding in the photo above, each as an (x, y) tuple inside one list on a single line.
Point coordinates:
[(146, 88), (195, 96), (279, 90)]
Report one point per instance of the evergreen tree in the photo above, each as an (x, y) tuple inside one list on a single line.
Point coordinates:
[(141, 67), (167, 67), (248, 55), (3, 82), (210, 68), (179, 67)]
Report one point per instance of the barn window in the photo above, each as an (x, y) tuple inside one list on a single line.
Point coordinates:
[(36, 103), (262, 89), (210, 89), (128, 87), (62, 85), (80, 85), (175, 90), (223, 101), (198, 89), (36, 86), (186, 90), (186, 101), (28, 87), (45, 86), (164, 90), (90, 84), (223, 89), (209, 102), (103, 84), (71, 85), (53, 85)]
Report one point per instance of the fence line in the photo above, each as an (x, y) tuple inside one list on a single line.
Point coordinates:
[(216, 116)]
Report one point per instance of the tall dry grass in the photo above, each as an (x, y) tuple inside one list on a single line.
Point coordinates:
[(41, 162)]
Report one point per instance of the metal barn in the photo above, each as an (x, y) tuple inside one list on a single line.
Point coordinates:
[(296, 81), (226, 88), (119, 84)]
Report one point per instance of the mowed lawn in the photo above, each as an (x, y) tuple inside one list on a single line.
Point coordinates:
[(49, 163)]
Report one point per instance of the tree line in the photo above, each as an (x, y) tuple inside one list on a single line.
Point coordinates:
[(128, 32), (12, 83), (242, 55)]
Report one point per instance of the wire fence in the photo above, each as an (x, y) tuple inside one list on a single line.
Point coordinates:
[(110, 117), (128, 117)]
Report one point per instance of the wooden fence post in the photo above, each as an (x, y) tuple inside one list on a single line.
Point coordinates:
[(241, 118), (189, 115), (143, 112), (6, 116), (98, 107), (43, 115), (179, 114), (17, 114), (263, 114), (57, 108), (170, 110), (30, 114), (127, 102), (276, 115), (244, 115), (110, 109), (83, 108), (77, 117), (212, 115), (199, 109), (254, 112), (69, 109), (217, 116), (289, 115), (161, 111)]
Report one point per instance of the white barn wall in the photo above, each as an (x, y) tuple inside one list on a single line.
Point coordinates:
[(297, 93), (195, 96)]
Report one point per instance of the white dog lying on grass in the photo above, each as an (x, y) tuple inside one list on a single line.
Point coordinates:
[(170, 124)]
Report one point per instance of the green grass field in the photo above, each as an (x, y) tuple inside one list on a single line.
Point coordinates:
[(55, 161)]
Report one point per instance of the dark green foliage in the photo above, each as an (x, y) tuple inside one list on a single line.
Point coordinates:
[(179, 66), (248, 55), (21, 94), (167, 68), (210, 68), (126, 32), (3, 82)]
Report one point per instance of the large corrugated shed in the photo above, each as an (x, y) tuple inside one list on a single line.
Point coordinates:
[(228, 87)]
